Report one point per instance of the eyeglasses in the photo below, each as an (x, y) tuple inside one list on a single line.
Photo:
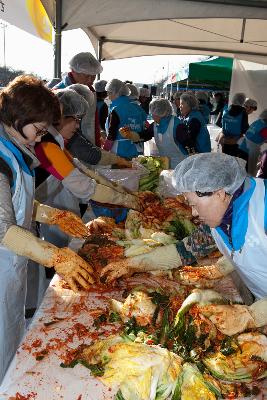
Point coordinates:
[(76, 119), (40, 131)]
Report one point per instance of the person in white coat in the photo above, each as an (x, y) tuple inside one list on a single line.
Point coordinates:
[(27, 108), (83, 69)]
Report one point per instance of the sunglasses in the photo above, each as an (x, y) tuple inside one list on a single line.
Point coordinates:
[(40, 131)]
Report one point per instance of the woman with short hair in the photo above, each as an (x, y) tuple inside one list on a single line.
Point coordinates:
[(27, 109)]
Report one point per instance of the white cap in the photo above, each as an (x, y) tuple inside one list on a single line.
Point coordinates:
[(250, 103), (85, 63), (117, 87), (208, 172), (100, 86)]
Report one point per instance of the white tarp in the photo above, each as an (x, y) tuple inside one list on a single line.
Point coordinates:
[(152, 27), (250, 78), (28, 15)]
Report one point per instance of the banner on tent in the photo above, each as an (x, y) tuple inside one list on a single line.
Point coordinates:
[(28, 15)]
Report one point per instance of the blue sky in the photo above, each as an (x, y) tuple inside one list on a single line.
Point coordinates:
[(27, 52)]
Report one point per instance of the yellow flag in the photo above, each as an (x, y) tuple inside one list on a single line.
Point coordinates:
[(28, 15), (39, 19)]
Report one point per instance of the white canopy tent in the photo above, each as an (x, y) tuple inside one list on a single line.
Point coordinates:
[(129, 28), (250, 78)]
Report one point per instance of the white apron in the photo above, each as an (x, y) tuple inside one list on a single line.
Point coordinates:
[(251, 260), (166, 145), (13, 267)]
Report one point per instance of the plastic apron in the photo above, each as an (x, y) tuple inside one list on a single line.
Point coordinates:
[(167, 146), (14, 267), (52, 193), (249, 249)]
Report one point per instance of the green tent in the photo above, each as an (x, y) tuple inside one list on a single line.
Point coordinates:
[(216, 72)]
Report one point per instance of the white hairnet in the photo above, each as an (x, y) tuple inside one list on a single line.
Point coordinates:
[(85, 92), (239, 99), (144, 92), (250, 103), (202, 96), (100, 86), (263, 114), (134, 93), (190, 100), (208, 172), (73, 104), (117, 87), (85, 63), (160, 107), (177, 95)]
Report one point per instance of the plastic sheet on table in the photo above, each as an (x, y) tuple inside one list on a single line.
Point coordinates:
[(165, 187), (128, 178)]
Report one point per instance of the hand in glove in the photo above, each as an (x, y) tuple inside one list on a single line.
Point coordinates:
[(67, 221), (105, 194), (162, 258), (128, 134), (73, 269), (101, 225), (123, 163), (108, 158), (205, 275)]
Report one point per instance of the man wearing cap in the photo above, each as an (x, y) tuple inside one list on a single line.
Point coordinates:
[(83, 69)]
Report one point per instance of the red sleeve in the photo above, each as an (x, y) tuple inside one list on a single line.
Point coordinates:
[(263, 133)]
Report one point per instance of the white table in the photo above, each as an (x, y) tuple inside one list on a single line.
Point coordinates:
[(45, 379)]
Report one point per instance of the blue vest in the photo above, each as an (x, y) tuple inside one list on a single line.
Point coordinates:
[(231, 125), (99, 105), (130, 115), (205, 111), (253, 134), (203, 144), (66, 81)]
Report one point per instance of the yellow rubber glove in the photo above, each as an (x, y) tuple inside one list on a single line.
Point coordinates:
[(128, 134), (162, 258), (73, 269), (108, 158), (105, 194), (67, 221)]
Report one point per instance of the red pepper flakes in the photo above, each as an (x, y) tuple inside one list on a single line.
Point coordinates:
[(37, 343), (80, 330), (18, 396), (78, 307)]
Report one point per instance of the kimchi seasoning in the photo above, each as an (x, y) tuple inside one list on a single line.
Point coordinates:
[(18, 396)]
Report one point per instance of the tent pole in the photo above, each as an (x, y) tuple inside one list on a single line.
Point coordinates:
[(57, 41), (99, 51)]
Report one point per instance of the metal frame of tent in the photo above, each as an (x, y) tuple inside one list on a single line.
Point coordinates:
[(108, 28)]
